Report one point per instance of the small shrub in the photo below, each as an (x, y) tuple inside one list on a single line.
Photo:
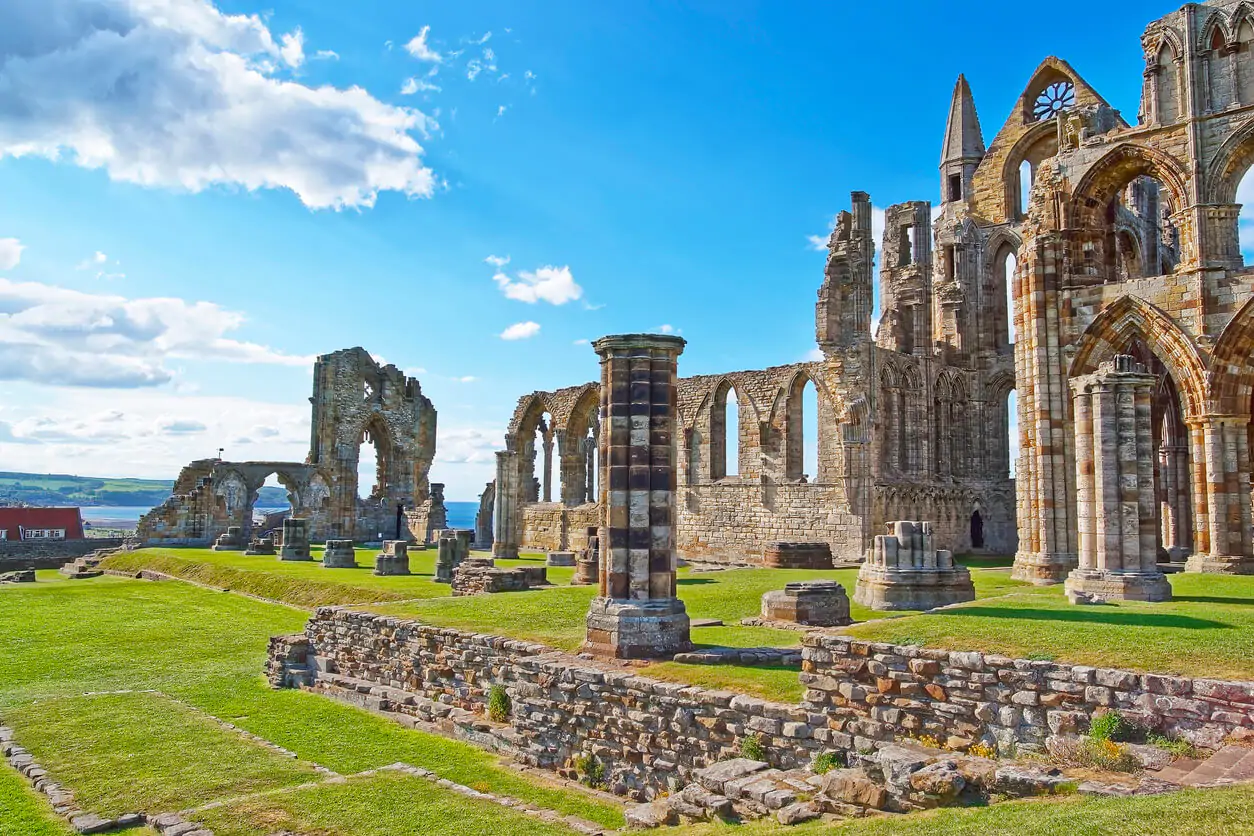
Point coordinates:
[(827, 761), (1110, 726), (982, 750), (1092, 753), (498, 704), (1178, 747), (591, 771), (751, 748)]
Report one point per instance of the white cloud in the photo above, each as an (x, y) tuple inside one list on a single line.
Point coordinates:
[(326, 55), (555, 285), (580, 342), (467, 379), (180, 426), (497, 261), (66, 337), (814, 354), (468, 445), (521, 331), (486, 37), (418, 85), (175, 93), (10, 253), (97, 259), (419, 48), (293, 48), (819, 242), (665, 329), (500, 111)]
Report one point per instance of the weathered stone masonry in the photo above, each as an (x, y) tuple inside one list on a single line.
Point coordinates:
[(652, 735)]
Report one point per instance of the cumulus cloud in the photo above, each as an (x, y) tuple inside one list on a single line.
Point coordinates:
[(521, 331), (10, 253), (176, 93), (419, 48), (292, 48), (467, 379), (666, 329), (177, 426), (497, 261), (59, 336), (97, 259), (555, 285), (467, 445), (418, 85), (326, 55)]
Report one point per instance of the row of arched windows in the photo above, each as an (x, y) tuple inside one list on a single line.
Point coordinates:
[(723, 445)]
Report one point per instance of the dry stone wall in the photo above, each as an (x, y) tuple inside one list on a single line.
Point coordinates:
[(652, 736)]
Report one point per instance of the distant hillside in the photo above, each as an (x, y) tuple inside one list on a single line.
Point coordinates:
[(61, 489)]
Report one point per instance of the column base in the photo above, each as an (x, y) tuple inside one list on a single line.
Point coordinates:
[(294, 554), (504, 551), (886, 590), (1220, 564), (1091, 586), (1043, 568), (637, 629)]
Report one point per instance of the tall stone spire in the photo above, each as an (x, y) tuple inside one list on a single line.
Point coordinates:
[(964, 144)]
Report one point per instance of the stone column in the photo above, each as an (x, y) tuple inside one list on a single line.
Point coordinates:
[(637, 614), (1222, 487), (1115, 499), (504, 512), (590, 453), (546, 482)]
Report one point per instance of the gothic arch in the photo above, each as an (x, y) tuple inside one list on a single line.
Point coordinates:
[(1233, 159), (1214, 23), (1129, 317), (1232, 364), (1117, 169)]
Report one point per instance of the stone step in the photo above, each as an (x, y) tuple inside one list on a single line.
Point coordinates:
[(1229, 765)]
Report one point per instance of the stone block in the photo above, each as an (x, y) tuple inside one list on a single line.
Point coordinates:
[(339, 554), (903, 572), (393, 560), (231, 541), (565, 559), (812, 603), (797, 556)]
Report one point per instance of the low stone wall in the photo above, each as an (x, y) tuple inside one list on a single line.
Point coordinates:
[(880, 691), (552, 526), (652, 736), (49, 554)]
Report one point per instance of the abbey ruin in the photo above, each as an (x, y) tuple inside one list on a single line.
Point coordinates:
[(1108, 239), (354, 400)]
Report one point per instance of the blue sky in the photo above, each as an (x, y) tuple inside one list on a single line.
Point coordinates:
[(198, 198)]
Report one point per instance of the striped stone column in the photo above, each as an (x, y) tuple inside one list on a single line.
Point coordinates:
[(1115, 499), (637, 614)]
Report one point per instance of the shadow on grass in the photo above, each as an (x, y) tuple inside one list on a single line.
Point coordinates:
[(1213, 599), (1095, 616), (695, 581)]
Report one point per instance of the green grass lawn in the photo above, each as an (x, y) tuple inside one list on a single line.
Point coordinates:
[(1188, 813), (1207, 630), (143, 752), (63, 639), (386, 804), (303, 583), (24, 811)]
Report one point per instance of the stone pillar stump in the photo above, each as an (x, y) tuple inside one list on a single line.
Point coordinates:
[(339, 554), (637, 614), (295, 540), (394, 559), (1115, 499), (903, 571)]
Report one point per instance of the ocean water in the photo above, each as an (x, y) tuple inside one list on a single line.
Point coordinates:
[(460, 514)]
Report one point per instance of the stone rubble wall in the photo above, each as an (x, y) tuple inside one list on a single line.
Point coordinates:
[(652, 736), (49, 554), (878, 691)]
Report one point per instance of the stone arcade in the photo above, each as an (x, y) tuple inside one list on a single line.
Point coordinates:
[(354, 400), (1111, 239)]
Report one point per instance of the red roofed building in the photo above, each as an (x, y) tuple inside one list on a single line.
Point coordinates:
[(40, 524)]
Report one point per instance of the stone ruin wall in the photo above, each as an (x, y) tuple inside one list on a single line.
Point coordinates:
[(652, 734), (354, 399)]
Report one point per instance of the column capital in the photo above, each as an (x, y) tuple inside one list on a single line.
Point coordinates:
[(616, 343)]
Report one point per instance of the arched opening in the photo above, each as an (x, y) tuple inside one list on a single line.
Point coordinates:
[(810, 454), (1139, 238), (1245, 221), (372, 464), (539, 488), (999, 330), (1008, 461), (1245, 62), (1027, 175), (1167, 84), (578, 451), (1215, 71), (731, 446), (273, 502), (802, 453), (977, 530)]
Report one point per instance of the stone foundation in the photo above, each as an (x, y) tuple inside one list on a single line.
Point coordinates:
[(651, 736), (339, 554), (813, 603), (295, 540), (1094, 587), (261, 545), (560, 559), (797, 556), (904, 572), (231, 541), (479, 577), (394, 559), (626, 629), (21, 576)]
